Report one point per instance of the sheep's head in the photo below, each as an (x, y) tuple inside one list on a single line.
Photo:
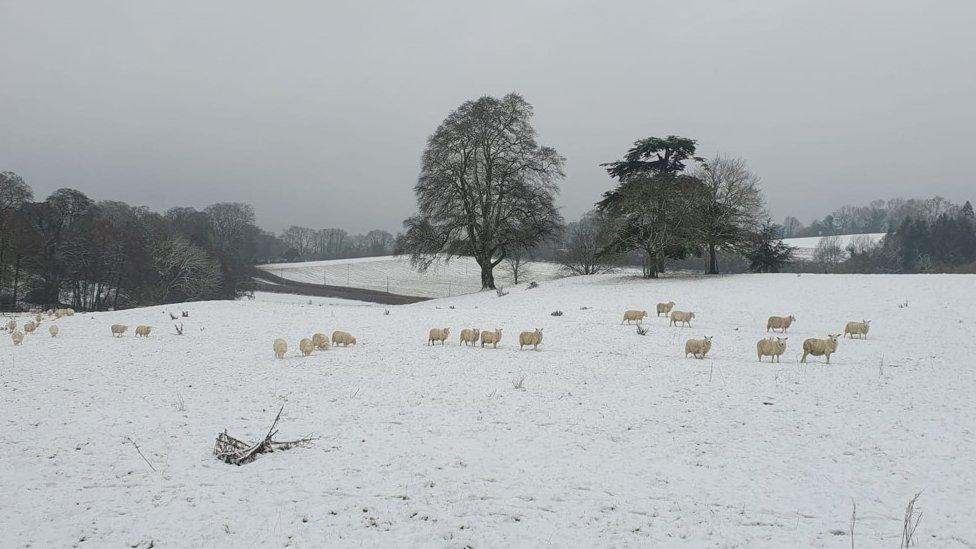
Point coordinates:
[(447, 331), (833, 337), (866, 322), (792, 318), (691, 315), (708, 339)]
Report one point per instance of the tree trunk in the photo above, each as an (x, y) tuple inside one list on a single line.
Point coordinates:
[(16, 281), (487, 273), (650, 266), (712, 263)]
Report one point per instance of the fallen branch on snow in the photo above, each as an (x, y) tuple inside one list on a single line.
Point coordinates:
[(237, 452)]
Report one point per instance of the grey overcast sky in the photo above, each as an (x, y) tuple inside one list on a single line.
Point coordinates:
[(317, 112)]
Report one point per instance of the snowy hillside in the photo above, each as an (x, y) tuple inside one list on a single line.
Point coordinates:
[(394, 274), (615, 439), (806, 245)]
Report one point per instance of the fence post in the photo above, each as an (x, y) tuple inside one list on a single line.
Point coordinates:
[(387, 284), (449, 282)]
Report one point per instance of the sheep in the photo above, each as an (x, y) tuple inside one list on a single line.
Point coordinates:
[(17, 337), (280, 348), (681, 316), (698, 348), (438, 334), (29, 327), (491, 337), (781, 323), (632, 315), (143, 330), (118, 330), (469, 336), (69, 312), (820, 347), (665, 308), (53, 330), (342, 337), (773, 347), (38, 317), (855, 328), (11, 326), (320, 341), (306, 346), (532, 338)]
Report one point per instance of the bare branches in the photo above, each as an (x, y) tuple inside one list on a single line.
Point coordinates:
[(238, 452)]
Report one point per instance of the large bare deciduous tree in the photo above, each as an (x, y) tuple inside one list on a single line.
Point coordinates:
[(486, 187), (732, 207)]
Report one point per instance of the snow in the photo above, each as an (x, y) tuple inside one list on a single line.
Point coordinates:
[(615, 440), (806, 245), (394, 274)]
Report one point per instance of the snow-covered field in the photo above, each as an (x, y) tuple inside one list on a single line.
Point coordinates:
[(394, 274), (805, 246), (614, 440)]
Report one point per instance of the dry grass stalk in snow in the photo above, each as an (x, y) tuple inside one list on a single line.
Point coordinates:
[(912, 517)]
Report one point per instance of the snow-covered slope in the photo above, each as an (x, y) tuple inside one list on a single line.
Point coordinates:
[(394, 274), (806, 245), (615, 440)]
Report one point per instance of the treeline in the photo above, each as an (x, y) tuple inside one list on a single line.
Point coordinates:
[(921, 244), (95, 255), (305, 244), (880, 216), (69, 250)]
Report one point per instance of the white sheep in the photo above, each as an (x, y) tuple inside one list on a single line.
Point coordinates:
[(53, 330), (118, 330), (280, 348), (491, 337), (29, 327), (320, 341), (820, 347), (143, 330), (853, 328), (342, 337), (665, 308), (469, 336), (698, 348), (69, 312), (531, 338), (681, 316), (781, 323), (38, 318), (438, 334), (17, 337), (772, 347), (306, 346), (11, 326), (632, 315)]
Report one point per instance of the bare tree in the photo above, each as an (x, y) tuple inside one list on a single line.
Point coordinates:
[(732, 207), (184, 268), (583, 251), (828, 253), (517, 264), (485, 187)]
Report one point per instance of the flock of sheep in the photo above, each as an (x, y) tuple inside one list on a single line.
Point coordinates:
[(33, 324), (773, 347), (318, 341)]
